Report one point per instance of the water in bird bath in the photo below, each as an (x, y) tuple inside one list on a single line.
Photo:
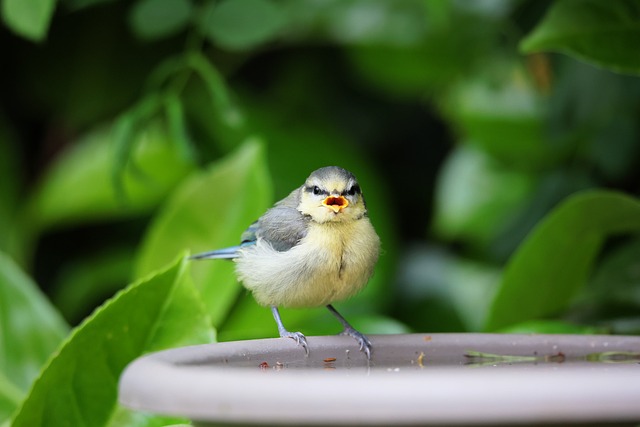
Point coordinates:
[(422, 352)]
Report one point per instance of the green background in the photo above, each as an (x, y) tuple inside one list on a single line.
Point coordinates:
[(497, 144)]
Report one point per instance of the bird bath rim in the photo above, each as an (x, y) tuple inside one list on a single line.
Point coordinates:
[(411, 379)]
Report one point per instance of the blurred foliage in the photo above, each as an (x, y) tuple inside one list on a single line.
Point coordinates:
[(30, 331), (600, 34), (155, 313), (186, 219), (561, 249), (132, 133)]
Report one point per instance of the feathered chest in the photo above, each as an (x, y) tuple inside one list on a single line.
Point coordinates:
[(331, 262), (341, 250)]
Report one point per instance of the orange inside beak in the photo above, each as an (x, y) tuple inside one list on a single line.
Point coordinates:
[(336, 204)]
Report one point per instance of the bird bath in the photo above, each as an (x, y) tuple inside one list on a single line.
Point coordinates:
[(416, 379)]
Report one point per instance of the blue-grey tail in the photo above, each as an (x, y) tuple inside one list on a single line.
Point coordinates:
[(226, 253)]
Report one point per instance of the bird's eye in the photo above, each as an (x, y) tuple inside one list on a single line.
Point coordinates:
[(316, 190), (353, 190)]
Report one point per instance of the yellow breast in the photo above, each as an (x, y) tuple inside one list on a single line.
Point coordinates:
[(332, 262)]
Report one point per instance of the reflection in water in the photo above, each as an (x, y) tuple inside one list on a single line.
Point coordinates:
[(419, 361)]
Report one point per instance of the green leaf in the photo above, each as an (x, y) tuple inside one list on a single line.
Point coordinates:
[(604, 33), (10, 397), (130, 418), (30, 328), (242, 24), (553, 263), (79, 188), (156, 19), (30, 18), (78, 387), (209, 211)]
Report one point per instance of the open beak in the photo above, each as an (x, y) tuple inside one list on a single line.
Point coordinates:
[(336, 204)]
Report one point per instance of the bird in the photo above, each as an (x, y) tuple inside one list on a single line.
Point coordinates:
[(313, 248)]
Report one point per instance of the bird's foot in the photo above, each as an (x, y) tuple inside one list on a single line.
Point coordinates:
[(298, 337), (362, 340)]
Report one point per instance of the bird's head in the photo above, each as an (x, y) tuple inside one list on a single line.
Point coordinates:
[(332, 194)]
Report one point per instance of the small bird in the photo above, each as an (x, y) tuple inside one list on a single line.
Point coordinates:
[(313, 248)]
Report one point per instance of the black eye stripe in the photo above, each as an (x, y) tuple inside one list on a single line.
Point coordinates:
[(314, 189), (355, 189)]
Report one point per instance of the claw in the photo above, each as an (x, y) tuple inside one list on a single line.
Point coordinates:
[(361, 339), (365, 344), (300, 339)]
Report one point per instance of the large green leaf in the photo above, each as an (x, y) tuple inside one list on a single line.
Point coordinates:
[(30, 330), (604, 33), (209, 211), (78, 387), (553, 263), (30, 18), (10, 398), (79, 186)]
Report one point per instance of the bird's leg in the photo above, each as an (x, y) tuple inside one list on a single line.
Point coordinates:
[(296, 336), (365, 344)]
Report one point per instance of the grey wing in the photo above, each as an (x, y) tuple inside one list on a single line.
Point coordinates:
[(283, 225), (249, 234)]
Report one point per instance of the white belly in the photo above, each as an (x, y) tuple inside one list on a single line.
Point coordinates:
[(324, 267)]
